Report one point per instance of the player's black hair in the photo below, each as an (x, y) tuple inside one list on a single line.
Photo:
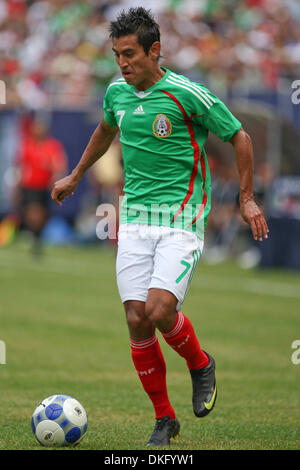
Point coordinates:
[(136, 21)]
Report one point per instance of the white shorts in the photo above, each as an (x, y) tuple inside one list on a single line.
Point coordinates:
[(155, 257)]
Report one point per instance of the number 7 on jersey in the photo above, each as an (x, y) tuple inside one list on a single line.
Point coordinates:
[(120, 113)]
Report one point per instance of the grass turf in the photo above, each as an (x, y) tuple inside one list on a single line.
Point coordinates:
[(64, 329)]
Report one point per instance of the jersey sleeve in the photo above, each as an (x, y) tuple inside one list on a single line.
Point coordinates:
[(109, 116), (214, 116)]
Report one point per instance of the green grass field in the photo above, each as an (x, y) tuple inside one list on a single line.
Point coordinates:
[(64, 329)]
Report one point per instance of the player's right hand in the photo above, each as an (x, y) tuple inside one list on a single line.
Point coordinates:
[(63, 188)]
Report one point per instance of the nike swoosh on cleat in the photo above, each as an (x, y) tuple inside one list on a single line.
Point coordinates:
[(209, 405)]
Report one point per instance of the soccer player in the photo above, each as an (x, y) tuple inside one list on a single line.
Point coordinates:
[(164, 120)]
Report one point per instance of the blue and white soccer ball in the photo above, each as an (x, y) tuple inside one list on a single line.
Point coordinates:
[(59, 420)]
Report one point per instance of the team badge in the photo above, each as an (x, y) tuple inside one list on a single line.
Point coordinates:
[(162, 126)]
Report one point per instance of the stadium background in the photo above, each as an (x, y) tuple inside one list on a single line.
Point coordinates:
[(56, 62)]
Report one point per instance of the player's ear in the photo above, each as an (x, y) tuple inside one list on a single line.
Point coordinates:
[(154, 51)]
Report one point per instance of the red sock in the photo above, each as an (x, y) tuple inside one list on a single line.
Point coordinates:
[(182, 339), (151, 368)]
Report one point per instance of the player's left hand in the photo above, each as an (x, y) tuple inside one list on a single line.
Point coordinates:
[(252, 214)]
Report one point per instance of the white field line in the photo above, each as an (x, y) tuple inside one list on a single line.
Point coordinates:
[(75, 271), (23, 260), (273, 288), (60, 266), (254, 286), (27, 258)]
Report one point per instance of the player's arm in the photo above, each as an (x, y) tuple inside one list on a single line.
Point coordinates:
[(251, 213), (97, 146)]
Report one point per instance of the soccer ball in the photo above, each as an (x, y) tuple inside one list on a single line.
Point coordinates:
[(59, 420)]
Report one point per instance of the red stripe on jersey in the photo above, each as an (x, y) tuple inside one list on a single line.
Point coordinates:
[(204, 200), (195, 145)]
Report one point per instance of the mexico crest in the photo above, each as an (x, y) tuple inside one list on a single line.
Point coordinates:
[(162, 126)]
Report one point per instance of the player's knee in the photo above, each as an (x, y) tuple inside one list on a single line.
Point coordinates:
[(157, 312), (135, 317)]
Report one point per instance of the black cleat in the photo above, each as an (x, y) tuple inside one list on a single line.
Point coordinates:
[(164, 429), (204, 388)]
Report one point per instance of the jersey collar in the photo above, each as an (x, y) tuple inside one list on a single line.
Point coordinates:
[(144, 93)]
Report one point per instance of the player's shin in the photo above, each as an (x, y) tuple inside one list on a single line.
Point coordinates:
[(183, 340), (151, 368)]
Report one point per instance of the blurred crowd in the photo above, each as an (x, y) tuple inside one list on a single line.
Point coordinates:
[(55, 55), (58, 53)]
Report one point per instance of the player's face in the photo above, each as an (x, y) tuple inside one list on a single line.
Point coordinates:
[(136, 66)]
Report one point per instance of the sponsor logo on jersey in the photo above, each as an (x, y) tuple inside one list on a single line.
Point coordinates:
[(139, 110), (162, 126)]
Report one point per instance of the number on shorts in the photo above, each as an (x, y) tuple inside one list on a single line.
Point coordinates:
[(187, 267)]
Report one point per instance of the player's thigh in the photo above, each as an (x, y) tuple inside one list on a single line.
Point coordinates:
[(175, 261), (134, 265)]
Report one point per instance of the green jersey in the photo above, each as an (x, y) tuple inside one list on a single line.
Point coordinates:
[(163, 131)]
